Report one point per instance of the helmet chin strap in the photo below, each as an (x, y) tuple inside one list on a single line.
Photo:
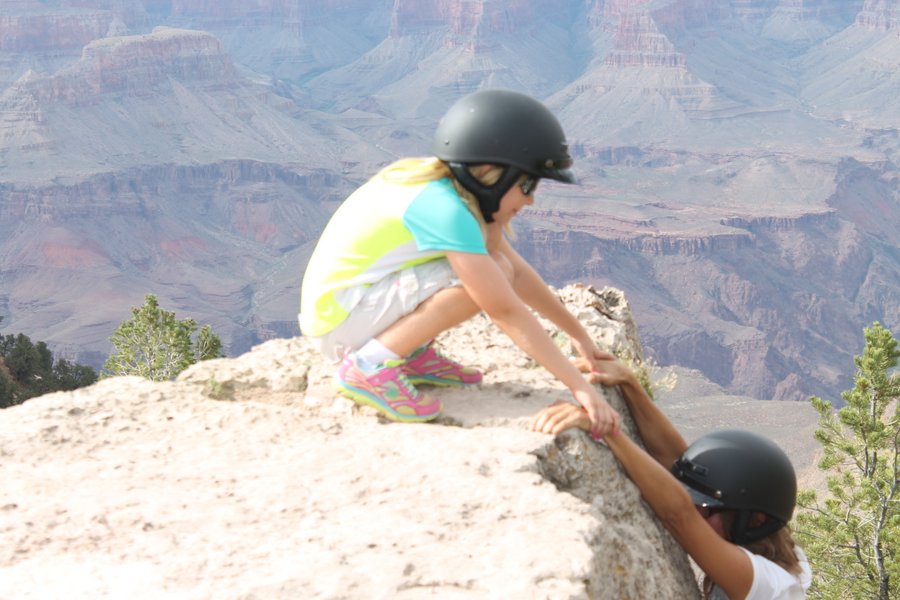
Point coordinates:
[(742, 534), (488, 195)]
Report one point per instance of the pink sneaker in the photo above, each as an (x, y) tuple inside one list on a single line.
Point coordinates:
[(387, 390), (428, 366)]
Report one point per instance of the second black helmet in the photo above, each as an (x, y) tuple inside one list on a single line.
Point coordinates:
[(741, 471)]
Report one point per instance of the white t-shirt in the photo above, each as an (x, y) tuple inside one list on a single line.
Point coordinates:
[(771, 582)]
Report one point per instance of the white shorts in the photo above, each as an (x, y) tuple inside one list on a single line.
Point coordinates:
[(384, 303)]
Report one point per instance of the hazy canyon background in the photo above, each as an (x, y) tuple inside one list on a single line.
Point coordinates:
[(739, 161)]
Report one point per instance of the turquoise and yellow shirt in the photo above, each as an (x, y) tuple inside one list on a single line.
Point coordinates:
[(382, 228)]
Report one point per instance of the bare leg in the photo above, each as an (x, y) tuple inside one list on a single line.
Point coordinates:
[(447, 308)]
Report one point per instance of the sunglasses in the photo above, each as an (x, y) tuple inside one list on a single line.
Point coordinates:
[(529, 185)]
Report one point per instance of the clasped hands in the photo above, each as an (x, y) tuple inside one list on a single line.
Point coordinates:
[(600, 367)]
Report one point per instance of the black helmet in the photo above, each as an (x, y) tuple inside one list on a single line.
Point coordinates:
[(741, 471), (504, 128)]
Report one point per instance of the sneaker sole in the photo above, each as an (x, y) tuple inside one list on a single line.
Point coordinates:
[(363, 398), (425, 380)]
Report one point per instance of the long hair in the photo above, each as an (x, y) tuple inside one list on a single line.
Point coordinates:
[(777, 547), (422, 170)]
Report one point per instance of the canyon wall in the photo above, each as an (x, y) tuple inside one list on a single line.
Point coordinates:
[(737, 161), (780, 296)]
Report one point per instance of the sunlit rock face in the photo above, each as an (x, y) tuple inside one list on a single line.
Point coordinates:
[(255, 456)]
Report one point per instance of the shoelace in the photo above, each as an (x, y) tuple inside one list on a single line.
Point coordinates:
[(440, 355), (401, 378)]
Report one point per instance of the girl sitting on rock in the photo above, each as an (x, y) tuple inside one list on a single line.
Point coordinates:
[(726, 498), (420, 248)]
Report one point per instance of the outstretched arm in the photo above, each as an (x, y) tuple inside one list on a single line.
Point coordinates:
[(491, 291), (724, 562), (535, 292), (660, 437)]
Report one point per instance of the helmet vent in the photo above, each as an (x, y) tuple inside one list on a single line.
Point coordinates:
[(699, 469)]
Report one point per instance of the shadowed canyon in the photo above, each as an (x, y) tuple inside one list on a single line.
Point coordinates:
[(738, 162)]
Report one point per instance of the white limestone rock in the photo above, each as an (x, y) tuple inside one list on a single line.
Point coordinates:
[(137, 489)]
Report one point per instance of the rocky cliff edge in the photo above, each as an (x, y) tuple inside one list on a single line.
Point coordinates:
[(249, 478)]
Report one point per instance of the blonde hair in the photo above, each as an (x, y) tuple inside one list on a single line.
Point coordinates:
[(777, 547), (422, 170)]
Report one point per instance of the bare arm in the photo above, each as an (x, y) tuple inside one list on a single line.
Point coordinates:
[(660, 437), (535, 292), (489, 288), (662, 440), (724, 562)]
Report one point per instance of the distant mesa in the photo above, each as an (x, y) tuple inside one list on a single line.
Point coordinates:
[(43, 31), (136, 65)]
